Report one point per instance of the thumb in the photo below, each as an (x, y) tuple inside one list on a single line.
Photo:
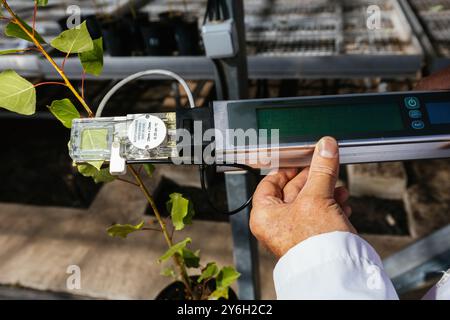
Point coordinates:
[(324, 170)]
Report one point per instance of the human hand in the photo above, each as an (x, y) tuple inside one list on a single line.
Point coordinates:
[(437, 81), (290, 207)]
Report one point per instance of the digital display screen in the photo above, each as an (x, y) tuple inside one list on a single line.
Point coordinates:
[(342, 120), (438, 112)]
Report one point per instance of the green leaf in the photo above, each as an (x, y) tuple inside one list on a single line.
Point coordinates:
[(123, 230), (94, 139), (92, 61), (176, 248), (42, 3), (87, 170), (181, 210), (99, 176), (210, 271), (10, 51), (226, 277), (13, 30), (103, 176), (96, 164), (64, 111), (224, 280), (75, 40), (16, 93), (149, 169), (219, 293), (191, 259), (168, 272)]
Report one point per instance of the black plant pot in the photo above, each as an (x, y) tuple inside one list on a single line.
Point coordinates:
[(186, 32), (176, 291), (158, 39), (92, 24), (135, 24), (117, 37)]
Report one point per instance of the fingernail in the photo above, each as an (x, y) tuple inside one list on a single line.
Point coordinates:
[(328, 148)]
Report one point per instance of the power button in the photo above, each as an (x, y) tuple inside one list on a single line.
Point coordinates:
[(412, 103)]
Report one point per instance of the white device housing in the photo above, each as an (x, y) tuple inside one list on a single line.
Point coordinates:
[(220, 39)]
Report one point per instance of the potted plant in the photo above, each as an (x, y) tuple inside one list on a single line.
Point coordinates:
[(19, 95)]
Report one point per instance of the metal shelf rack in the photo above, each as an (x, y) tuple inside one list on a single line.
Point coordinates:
[(285, 40), (431, 18)]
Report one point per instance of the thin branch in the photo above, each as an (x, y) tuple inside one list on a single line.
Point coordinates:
[(50, 83), (23, 50), (64, 61), (181, 266), (83, 78), (48, 57), (127, 181)]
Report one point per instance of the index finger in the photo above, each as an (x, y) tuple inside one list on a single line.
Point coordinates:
[(270, 189)]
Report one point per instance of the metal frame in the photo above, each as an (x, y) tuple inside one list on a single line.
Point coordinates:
[(335, 64), (238, 184), (435, 61), (410, 267)]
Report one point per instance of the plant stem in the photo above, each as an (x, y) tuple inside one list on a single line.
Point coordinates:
[(83, 79), (182, 268), (50, 83), (63, 64), (129, 182), (50, 59)]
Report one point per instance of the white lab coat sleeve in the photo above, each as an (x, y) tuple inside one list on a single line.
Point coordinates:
[(441, 291), (336, 265)]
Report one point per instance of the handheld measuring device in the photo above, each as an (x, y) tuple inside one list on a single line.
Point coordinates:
[(368, 127)]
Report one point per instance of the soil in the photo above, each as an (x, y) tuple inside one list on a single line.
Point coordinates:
[(175, 291)]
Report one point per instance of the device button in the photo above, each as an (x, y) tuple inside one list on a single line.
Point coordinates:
[(415, 114), (418, 124), (412, 103)]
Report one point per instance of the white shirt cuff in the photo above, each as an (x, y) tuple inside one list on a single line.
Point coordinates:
[(336, 265)]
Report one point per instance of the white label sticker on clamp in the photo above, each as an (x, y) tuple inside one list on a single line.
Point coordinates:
[(147, 132)]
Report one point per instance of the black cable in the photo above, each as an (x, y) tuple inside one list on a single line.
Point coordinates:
[(224, 9), (216, 10), (207, 12), (205, 189), (222, 87)]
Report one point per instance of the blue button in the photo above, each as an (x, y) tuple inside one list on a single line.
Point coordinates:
[(412, 103), (418, 124), (415, 114)]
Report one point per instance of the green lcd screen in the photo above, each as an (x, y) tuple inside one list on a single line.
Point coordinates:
[(334, 120)]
